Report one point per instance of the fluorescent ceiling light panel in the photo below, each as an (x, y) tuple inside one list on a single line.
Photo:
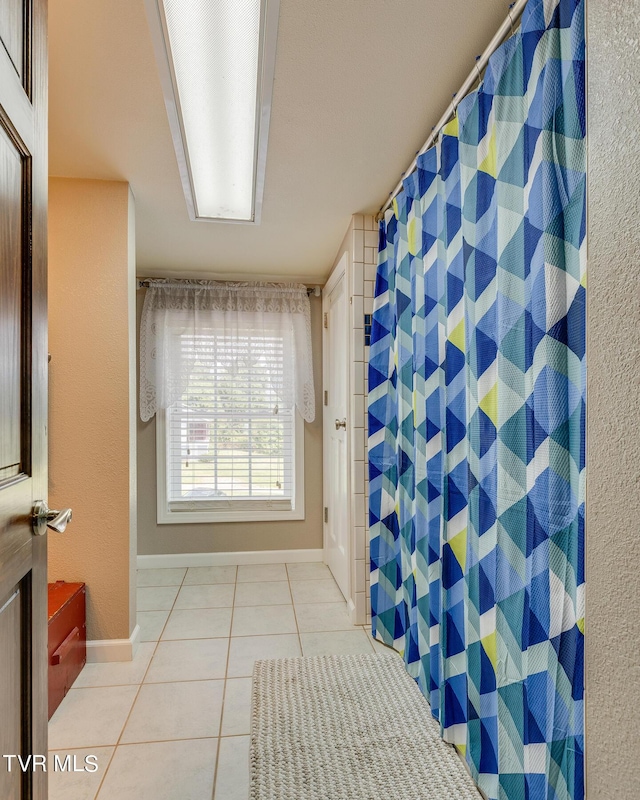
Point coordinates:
[(216, 61)]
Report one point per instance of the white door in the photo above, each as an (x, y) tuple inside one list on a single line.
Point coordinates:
[(336, 349)]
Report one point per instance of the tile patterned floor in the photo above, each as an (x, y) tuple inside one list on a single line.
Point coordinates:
[(174, 723)]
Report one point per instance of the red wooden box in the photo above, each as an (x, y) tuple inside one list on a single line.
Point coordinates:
[(67, 638)]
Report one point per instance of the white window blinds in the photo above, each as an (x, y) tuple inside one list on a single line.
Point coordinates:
[(230, 437)]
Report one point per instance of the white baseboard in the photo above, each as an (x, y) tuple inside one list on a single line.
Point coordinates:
[(100, 651), (165, 560)]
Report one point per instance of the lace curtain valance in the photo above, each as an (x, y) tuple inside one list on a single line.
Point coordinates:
[(180, 318)]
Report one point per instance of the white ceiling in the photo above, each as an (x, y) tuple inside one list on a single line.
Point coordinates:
[(358, 85)]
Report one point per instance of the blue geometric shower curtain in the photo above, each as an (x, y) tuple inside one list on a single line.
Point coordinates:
[(477, 417)]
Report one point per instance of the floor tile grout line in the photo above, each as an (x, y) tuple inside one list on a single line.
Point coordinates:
[(307, 579), (295, 615), (252, 635), (115, 746), (260, 605), (156, 642), (224, 691), (164, 741), (106, 769), (159, 683), (205, 639), (318, 603), (140, 683), (224, 679), (137, 694), (198, 608), (145, 741)]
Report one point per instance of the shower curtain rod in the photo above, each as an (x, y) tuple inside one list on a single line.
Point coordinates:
[(144, 283), (507, 27)]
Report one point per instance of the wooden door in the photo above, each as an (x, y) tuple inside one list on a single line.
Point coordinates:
[(23, 394), (336, 386)]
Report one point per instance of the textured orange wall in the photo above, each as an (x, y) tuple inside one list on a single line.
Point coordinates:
[(90, 285)]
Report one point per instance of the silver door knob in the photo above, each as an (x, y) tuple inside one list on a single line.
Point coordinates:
[(43, 517), (341, 424)]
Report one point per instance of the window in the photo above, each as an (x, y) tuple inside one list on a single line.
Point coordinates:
[(227, 369), (231, 448)]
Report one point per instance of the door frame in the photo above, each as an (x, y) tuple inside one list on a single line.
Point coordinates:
[(340, 272)]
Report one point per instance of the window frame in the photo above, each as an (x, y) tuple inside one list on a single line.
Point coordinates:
[(168, 516)]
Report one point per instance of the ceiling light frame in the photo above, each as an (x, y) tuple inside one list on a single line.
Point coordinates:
[(269, 16)]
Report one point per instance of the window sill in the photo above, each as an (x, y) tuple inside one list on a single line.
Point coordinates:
[(166, 517)]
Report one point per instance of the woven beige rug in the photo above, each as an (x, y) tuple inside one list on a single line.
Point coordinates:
[(348, 728)]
